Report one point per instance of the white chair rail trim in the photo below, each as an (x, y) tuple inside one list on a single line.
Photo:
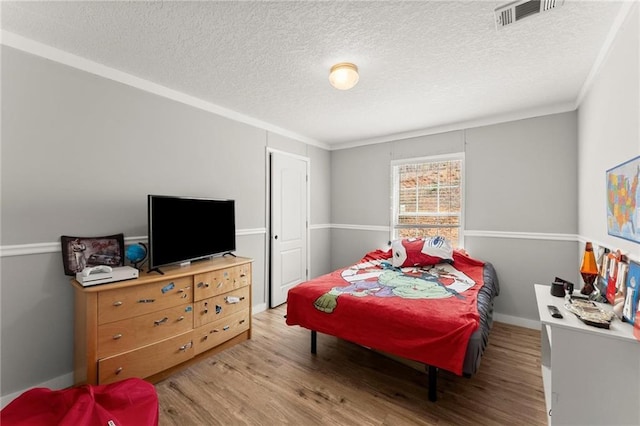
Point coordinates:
[(523, 235), (53, 247), (40, 248)]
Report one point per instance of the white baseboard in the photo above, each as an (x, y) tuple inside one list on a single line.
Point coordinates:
[(520, 322), (258, 308), (60, 382)]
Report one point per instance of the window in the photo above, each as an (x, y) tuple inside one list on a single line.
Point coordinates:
[(428, 197)]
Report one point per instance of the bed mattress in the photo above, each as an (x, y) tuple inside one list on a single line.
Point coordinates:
[(440, 316)]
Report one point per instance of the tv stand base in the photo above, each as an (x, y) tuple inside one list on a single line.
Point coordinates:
[(155, 270)]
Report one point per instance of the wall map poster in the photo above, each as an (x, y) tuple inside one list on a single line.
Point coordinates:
[(623, 200)]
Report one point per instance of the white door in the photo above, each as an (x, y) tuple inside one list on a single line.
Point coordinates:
[(288, 224)]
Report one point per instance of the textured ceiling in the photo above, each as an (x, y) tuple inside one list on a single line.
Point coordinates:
[(423, 65)]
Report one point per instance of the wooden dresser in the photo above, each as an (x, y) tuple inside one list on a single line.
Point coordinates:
[(151, 326)]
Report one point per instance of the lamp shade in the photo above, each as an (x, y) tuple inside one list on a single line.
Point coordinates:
[(343, 76)]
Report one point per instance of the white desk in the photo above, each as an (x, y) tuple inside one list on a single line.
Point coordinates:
[(591, 375)]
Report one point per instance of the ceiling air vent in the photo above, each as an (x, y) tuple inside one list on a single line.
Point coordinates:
[(513, 12)]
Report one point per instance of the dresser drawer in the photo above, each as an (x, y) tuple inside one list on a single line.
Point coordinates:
[(220, 306), (147, 360), (124, 335), (217, 282), (217, 332), (118, 304)]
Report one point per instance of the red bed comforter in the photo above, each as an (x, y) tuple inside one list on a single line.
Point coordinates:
[(425, 314)]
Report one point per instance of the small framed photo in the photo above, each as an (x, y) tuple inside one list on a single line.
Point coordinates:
[(80, 252), (612, 275), (620, 293), (603, 262), (633, 292)]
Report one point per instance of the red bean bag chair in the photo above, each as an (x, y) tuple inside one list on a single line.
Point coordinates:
[(128, 402)]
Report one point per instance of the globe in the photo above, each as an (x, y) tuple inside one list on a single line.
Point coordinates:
[(136, 253)]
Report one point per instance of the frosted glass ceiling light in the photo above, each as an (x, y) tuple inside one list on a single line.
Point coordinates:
[(343, 76)]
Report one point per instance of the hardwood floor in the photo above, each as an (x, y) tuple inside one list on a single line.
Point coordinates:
[(273, 379)]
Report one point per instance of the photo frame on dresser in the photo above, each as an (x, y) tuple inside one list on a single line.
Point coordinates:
[(603, 264), (613, 259), (620, 291), (80, 252), (633, 292)]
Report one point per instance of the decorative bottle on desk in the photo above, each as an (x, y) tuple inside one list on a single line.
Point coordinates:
[(589, 269)]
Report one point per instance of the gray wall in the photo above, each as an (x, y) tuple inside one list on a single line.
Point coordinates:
[(521, 178), (520, 195), (79, 155), (609, 132)]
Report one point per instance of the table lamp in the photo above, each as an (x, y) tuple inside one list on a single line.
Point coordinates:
[(589, 269)]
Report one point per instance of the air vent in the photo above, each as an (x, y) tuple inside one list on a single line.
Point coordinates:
[(513, 12)]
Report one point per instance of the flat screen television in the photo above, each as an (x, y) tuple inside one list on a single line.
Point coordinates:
[(184, 229)]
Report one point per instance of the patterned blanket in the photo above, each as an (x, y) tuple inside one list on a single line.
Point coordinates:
[(422, 313)]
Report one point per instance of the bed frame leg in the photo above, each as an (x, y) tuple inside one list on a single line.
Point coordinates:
[(433, 380), (314, 341)]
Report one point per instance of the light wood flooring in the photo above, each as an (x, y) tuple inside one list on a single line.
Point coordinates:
[(273, 379)]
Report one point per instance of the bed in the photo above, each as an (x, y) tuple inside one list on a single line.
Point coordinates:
[(436, 309)]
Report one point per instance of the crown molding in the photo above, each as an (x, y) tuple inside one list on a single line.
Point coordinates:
[(48, 52), (464, 125), (625, 10)]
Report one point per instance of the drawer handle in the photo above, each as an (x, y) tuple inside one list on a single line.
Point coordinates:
[(219, 284), (243, 275), (117, 336), (186, 346), (180, 318), (119, 370), (117, 303), (241, 322), (146, 300), (225, 328), (233, 299), (202, 284), (160, 321)]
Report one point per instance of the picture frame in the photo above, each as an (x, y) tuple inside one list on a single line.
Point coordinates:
[(620, 292), (603, 264), (622, 192), (611, 275), (80, 252), (603, 261), (633, 292)]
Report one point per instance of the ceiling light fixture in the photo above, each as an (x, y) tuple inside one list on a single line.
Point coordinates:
[(343, 76)]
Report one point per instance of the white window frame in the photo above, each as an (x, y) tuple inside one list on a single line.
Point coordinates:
[(395, 193)]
